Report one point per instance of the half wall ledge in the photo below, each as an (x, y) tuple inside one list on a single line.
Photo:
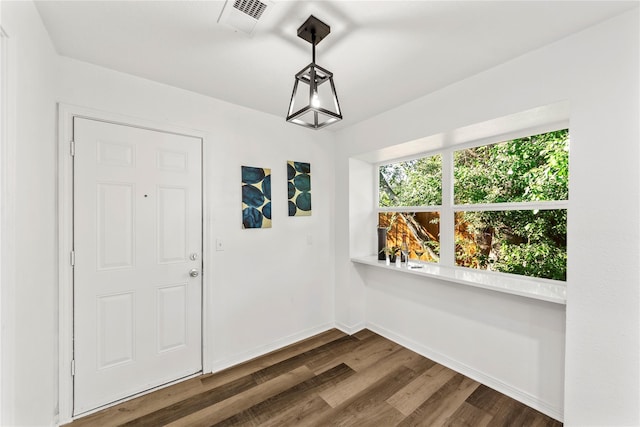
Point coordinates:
[(540, 289)]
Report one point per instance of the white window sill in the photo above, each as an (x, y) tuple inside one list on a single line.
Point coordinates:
[(540, 289)]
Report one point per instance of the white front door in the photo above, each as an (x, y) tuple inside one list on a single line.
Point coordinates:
[(138, 251)]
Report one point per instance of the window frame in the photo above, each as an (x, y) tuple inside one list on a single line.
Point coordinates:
[(448, 208)]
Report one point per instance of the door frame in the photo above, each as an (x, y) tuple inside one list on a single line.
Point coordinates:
[(8, 124), (66, 114)]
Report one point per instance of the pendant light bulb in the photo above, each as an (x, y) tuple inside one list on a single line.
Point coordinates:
[(315, 100)]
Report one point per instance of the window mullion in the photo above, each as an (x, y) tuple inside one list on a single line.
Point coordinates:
[(434, 208), (512, 206), (447, 223)]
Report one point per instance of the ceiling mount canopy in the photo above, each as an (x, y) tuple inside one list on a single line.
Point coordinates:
[(314, 102)]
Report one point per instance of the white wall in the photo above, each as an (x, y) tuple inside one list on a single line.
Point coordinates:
[(597, 72), (30, 353), (268, 287), (267, 284), (350, 307)]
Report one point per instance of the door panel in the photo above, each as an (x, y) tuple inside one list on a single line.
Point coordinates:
[(172, 225), (137, 221), (116, 216), (115, 329), (172, 317)]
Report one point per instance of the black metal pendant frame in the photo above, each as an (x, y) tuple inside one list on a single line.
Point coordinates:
[(313, 75)]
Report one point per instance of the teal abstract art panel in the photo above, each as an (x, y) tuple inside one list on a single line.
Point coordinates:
[(299, 188), (256, 197)]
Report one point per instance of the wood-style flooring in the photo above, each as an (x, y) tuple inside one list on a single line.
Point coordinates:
[(331, 379)]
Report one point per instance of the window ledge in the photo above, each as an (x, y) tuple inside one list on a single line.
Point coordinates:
[(540, 289)]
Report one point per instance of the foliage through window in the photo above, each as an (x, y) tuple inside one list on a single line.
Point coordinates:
[(509, 204), (412, 182), (527, 242), (530, 169)]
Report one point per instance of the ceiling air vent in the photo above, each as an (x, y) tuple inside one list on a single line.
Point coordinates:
[(253, 8), (243, 15)]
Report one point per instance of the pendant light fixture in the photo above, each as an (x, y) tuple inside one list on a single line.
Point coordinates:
[(314, 103)]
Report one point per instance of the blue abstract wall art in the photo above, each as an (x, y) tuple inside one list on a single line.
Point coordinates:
[(299, 188), (256, 197)]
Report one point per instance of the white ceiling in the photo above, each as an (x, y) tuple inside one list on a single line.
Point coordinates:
[(382, 53)]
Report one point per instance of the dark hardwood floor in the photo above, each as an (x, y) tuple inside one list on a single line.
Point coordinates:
[(331, 379)]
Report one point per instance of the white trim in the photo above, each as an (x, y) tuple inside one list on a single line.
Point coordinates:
[(207, 262), (7, 226), (376, 188), (66, 113), (236, 359), (474, 207), (479, 376), (350, 330), (515, 206), (530, 122), (433, 208), (511, 135), (65, 272), (447, 255)]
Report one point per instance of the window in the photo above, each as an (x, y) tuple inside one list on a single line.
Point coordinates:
[(417, 185), (502, 207)]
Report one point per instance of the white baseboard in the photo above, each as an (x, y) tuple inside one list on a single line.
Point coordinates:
[(519, 395), (350, 330), (236, 359)]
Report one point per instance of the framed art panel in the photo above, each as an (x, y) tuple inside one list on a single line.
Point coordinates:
[(299, 188), (256, 197)]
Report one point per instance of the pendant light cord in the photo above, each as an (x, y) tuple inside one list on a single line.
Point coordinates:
[(313, 46)]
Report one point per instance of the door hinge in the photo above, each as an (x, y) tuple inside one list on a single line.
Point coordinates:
[(72, 258), (73, 367), (72, 148)]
